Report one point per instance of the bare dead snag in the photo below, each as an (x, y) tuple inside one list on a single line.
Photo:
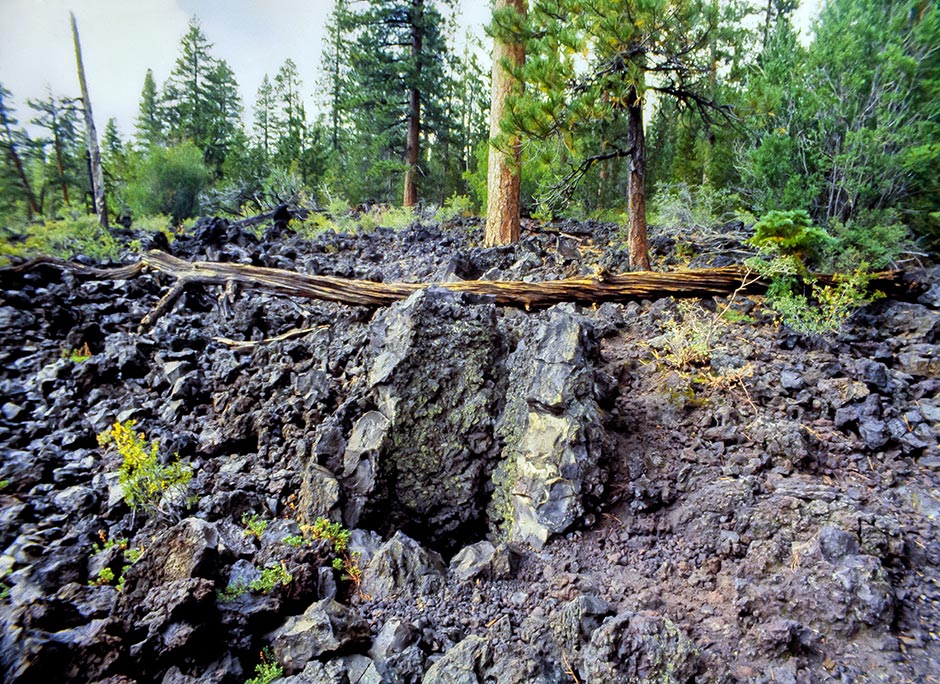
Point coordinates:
[(598, 288)]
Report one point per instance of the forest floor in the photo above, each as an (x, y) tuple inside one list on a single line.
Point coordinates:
[(768, 508)]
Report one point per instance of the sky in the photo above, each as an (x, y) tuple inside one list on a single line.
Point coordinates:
[(121, 39)]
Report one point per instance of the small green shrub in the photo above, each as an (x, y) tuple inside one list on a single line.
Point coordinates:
[(267, 670), (803, 303), (791, 233), (169, 181), (346, 562), (456, 206), (294, 540), (63, 238), (231, 592), (105, 577), (80, 355), (271, 576), (827, 307), (146, 482), (254, 524)]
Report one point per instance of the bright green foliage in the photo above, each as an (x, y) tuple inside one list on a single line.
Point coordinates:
[(267, 670), (105, 577), (826, 308), (792, 233), (335, 534), (149, 124), (231, 592), (254, 524), (168, 181), (201, 103), (295, 540), (77, 355), (804, 304), (271, 576), (64, 238), (147, 484)]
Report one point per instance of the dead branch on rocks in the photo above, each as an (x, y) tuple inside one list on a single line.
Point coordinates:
[(600, 287)]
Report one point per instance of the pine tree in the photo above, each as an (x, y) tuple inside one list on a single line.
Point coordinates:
[(264, 117), (504, 174), (200, 99), (632, 48), (149, 124), (59, 116), (291, 118), (334, 63), (12, 141), (394, 89), (223, 109)]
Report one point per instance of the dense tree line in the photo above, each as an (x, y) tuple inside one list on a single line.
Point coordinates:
[(617, 105)]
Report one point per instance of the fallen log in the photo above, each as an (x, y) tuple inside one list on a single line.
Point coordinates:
[(600, 287)]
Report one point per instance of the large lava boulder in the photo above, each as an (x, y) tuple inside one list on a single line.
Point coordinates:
[(420, 461), (552, 428)]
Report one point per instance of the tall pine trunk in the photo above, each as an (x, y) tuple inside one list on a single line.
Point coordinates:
[(503, 168), (412, 152), (91, 135), (59, 163), (32, 206), (639, 245)]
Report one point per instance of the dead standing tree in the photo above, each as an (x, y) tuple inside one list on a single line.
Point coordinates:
[(91, 135)]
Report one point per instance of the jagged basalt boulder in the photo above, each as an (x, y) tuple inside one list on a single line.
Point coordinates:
[(402, 565), (326, 627), (640, 648), (419, 462), (553, 431)]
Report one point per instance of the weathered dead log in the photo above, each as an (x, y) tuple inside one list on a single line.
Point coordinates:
[(601, 287)]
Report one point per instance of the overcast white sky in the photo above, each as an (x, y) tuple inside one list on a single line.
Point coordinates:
[(121, 39)]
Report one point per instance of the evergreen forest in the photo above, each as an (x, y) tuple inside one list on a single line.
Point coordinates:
[(716, 110)]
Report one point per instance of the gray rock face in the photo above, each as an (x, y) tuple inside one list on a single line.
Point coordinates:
[(483, 560), (418, 460), (325, 627), (552, 429), (465, 663), (640, 648), (830, 586), (402, 565), (433, 381)]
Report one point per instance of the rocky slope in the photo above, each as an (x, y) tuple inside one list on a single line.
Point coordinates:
[(559, 496)]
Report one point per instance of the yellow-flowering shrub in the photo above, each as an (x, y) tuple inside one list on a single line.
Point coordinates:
[(147, 483)]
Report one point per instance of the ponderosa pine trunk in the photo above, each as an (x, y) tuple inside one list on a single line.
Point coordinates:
[(412, 151), (91, 135), (503, 168), (638, 242)]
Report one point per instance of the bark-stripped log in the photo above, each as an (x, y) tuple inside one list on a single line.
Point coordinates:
[(602, 287)]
